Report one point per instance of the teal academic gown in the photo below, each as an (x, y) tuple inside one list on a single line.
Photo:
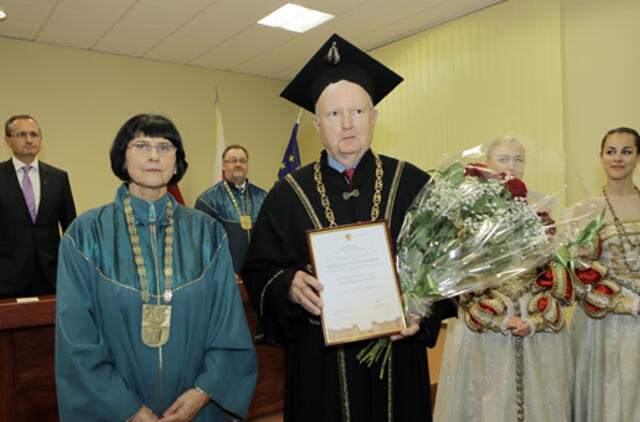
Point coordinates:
[(104, 372), (216, 202)]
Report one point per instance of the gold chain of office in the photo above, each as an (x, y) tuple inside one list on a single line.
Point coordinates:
[(324, 199), (622, 233), (137, 252), (245, 220)]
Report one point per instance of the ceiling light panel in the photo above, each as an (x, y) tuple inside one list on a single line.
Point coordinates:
[(295, 18)]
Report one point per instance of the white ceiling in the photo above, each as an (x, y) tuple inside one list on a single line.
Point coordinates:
[(220, 34)]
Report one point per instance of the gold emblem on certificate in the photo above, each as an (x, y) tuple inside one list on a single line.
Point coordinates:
[(361, 295), (156, 324), (245, 222)]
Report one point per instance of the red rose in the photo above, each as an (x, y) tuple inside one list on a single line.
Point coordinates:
[(482, 171), (477, 170), (548, 222), (516, 187)]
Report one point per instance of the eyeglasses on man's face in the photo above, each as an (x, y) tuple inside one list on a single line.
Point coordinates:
[(236, 160), (163, 148), (24, 134)]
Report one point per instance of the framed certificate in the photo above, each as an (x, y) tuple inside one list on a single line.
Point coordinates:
[(361, 295)]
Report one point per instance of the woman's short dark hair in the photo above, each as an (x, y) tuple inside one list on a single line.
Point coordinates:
[(622, 129), (153, 126)]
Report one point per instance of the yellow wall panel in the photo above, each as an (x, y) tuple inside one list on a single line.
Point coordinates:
[(476, 78), (602, 82), (494, 72), (555, 73), (81, 99)]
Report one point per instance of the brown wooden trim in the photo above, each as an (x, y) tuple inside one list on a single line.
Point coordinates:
[(434, 391), (27, 381), (17, 315), (269, 393), (7, 378)]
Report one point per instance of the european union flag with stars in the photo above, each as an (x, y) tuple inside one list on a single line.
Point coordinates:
[(291, 159)]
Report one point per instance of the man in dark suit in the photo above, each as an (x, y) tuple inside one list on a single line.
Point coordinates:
[(34, 199)]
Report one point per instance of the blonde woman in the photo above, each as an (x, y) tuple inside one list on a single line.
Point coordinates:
[(507, 357)]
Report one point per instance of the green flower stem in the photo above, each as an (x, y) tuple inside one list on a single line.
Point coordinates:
[(386, 358), (373, 351)]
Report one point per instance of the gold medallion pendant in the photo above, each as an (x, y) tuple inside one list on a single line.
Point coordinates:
[(156, 319), (245, 212), (156, 324), (245, 222)]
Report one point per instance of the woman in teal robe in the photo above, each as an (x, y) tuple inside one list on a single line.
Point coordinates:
[(158, 334)]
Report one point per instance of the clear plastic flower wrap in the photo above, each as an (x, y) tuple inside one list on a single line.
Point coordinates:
[(469, 229)]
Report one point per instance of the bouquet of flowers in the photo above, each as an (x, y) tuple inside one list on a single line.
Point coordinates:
[(468, 229)]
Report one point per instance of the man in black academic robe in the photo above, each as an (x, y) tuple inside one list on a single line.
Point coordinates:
[(327, 383)]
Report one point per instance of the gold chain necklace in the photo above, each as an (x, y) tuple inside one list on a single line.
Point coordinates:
[(156, 319), (515, 294), (622, 233), (245, 220), (324, 199)]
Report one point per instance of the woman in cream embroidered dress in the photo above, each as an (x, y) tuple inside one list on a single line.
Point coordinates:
[(605, 330), (507, 357)]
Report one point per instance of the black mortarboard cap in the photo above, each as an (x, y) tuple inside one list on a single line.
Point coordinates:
[(338, 59)]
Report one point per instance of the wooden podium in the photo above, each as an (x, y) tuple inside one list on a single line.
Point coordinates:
[(269, 394), (27, 380), (27, 383)]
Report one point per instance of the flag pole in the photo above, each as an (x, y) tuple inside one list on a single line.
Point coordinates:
[(219, 146), (299, 115)]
